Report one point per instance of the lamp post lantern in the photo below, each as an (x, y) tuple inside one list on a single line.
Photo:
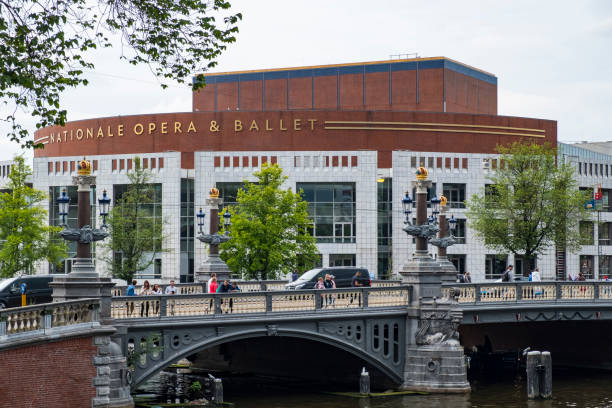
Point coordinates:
[(63, 202)]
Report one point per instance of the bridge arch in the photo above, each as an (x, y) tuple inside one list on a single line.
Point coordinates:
[(152, 366)]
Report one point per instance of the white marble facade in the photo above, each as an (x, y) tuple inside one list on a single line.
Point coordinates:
[(359, 167)]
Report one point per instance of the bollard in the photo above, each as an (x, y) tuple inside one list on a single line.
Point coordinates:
[(546, 378), (364, 382), (533, 380), (218, 391)]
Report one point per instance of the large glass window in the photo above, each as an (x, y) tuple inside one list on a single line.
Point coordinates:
[(150, 211), (491, 194), (331, 206), (71, 219), (460, 231), (605, 266), (459, 261), (495, 266), (229, 192), (586, 265), (586, 232), (605, 231), (385, 227), (187, 230), (455, 194), (341, 259)]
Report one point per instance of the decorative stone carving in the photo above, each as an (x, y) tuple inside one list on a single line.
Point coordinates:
[(214, 239), (85, 235), (422, 231), (439, 326), (442, 242), (272, 330)]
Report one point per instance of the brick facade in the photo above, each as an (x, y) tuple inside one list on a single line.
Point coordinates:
[(54, 374)]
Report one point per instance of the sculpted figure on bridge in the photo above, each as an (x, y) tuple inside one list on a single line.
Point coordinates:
[(438, 327)]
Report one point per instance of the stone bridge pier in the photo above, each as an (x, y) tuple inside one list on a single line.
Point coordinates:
[(435, 361)]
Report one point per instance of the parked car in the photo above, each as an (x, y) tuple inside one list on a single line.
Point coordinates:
[(343, 276), (37, 290)]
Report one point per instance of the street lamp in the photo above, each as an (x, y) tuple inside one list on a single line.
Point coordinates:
[(452, 225), (227, 220), (104, 203), (201, 217), (407, 207), (63, 202), (213, 264), (435, 209)]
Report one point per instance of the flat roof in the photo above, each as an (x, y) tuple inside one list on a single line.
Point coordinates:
[(373, 66)]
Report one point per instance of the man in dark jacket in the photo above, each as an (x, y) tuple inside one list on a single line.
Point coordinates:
[(225, 287)]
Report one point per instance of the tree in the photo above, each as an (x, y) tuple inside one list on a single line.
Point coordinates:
[(135, 227), (44, 46), (25, 236), (269, 228), (532, 203)]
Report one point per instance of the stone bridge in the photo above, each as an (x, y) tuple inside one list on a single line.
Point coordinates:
[(369, 323), (384, 328)]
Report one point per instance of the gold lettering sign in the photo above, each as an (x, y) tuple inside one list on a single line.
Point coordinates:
[(176, 127)]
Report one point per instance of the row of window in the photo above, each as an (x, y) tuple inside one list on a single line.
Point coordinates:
[(440, 162), (594, 169), (587, 233)]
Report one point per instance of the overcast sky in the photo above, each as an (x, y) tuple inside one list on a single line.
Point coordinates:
[(553, 59)]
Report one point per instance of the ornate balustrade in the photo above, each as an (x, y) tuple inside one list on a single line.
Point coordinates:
[(157, 306), (245, 286), (506, 292), (47, 316)]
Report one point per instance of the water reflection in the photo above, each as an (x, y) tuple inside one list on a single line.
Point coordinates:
[(570, 389)]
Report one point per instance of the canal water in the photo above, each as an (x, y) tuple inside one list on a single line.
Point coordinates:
[(581, 389)]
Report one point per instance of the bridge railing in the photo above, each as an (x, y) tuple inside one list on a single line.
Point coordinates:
[(509, 292), (33, 318), (156, 306), (245, 286)]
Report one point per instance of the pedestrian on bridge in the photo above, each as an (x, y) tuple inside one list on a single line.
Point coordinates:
[(145, 291), (213, 286), (213, 278), (131, 289), (171, 289), (235, 287), (329, 283)]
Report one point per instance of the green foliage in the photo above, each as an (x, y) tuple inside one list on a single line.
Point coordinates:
[(44, 46), (269, 228), (24, 234), (135, 231), (532, 203)]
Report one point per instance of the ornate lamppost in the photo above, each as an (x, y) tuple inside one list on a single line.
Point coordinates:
[(83, 280), (213, 264), (437, 359), (443, 241)]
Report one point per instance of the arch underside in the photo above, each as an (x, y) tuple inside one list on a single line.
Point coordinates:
[(196, 340)]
